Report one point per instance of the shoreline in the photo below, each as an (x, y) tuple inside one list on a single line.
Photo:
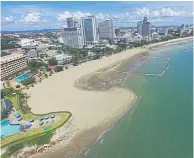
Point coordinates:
[(99, 128)]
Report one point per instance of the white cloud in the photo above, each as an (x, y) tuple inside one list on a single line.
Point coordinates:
[(67, 14), (31, 17), (155, 13), (159, 13), (101, 16), (62, 17), (8, 19), (171, 12), (79, 15), (143, 11)]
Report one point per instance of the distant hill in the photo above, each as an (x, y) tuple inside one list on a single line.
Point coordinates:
[(38, 31)]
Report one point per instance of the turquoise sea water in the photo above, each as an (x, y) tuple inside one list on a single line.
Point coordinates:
[(160, 125)]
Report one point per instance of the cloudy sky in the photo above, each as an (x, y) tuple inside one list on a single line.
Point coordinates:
[(42, 15)]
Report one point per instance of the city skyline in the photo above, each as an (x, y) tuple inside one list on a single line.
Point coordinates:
[(22, 16)]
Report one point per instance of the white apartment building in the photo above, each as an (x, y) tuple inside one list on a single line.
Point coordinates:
[(61, 58), (72, 36), (11, 64), (28, 42), (106, 29)]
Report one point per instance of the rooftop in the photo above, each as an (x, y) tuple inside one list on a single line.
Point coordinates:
[(11, 57)]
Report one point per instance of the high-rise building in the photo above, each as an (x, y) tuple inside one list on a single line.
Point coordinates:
[(11, 64), (72, 36), (139, 27), (182, 26), (89, 28), (106, 29), (71, 22), (144, 28), (117, 30)]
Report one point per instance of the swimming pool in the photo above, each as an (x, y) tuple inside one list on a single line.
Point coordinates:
[(9, 129), (24, 76)]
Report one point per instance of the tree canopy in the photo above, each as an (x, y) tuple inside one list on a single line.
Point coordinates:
[(3, 53), (58, 68), (9, 43), (53, 61), (28, 81)]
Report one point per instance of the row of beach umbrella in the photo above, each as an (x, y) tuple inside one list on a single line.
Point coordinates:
[(45, 118), (19, 118)]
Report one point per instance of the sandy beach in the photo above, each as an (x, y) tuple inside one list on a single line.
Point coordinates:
[(90, 108)]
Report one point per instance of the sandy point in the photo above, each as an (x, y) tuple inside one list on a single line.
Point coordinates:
[(89, 108)]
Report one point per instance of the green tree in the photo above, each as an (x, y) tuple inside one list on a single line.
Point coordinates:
[(28, 81), (8, 92), (58, 68), (108, 51), (35, 64), (41, 56), (75, 60), (3, 53), (9, 43), (96, 56), (48, 69), (53, 61)]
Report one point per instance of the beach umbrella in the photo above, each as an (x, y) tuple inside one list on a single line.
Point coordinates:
[(41, 118), (46, 117), (52, 116), (17, 115), (41, 123), (31, 120), (28, 125), (19, 119)]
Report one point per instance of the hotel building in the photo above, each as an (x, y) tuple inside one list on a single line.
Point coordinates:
[(89, 28), (11, 64), (144, 28), (106, 29)]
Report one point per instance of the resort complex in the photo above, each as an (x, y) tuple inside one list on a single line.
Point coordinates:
[(74, 83)]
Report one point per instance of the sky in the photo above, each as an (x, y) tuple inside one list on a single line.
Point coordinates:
[(36, 15)]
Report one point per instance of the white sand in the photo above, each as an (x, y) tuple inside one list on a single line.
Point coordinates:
[(57, 93)]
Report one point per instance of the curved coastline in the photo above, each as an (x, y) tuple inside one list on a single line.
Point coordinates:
[(100, 126)]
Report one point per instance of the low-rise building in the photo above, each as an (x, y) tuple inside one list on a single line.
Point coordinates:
[(32, 53), (51, 53), (112, 46), (28, 42), (11, 64), (163, 32), (63, 58)]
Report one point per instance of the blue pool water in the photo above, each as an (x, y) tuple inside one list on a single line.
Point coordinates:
[(9, 129), (24, 76)]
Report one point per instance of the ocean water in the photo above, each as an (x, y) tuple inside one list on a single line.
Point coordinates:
[(160, 125)]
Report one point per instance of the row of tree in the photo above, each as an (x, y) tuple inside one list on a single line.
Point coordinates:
[(9, 43)]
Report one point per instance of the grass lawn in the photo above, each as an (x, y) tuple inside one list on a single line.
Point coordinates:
[(7, 140)]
